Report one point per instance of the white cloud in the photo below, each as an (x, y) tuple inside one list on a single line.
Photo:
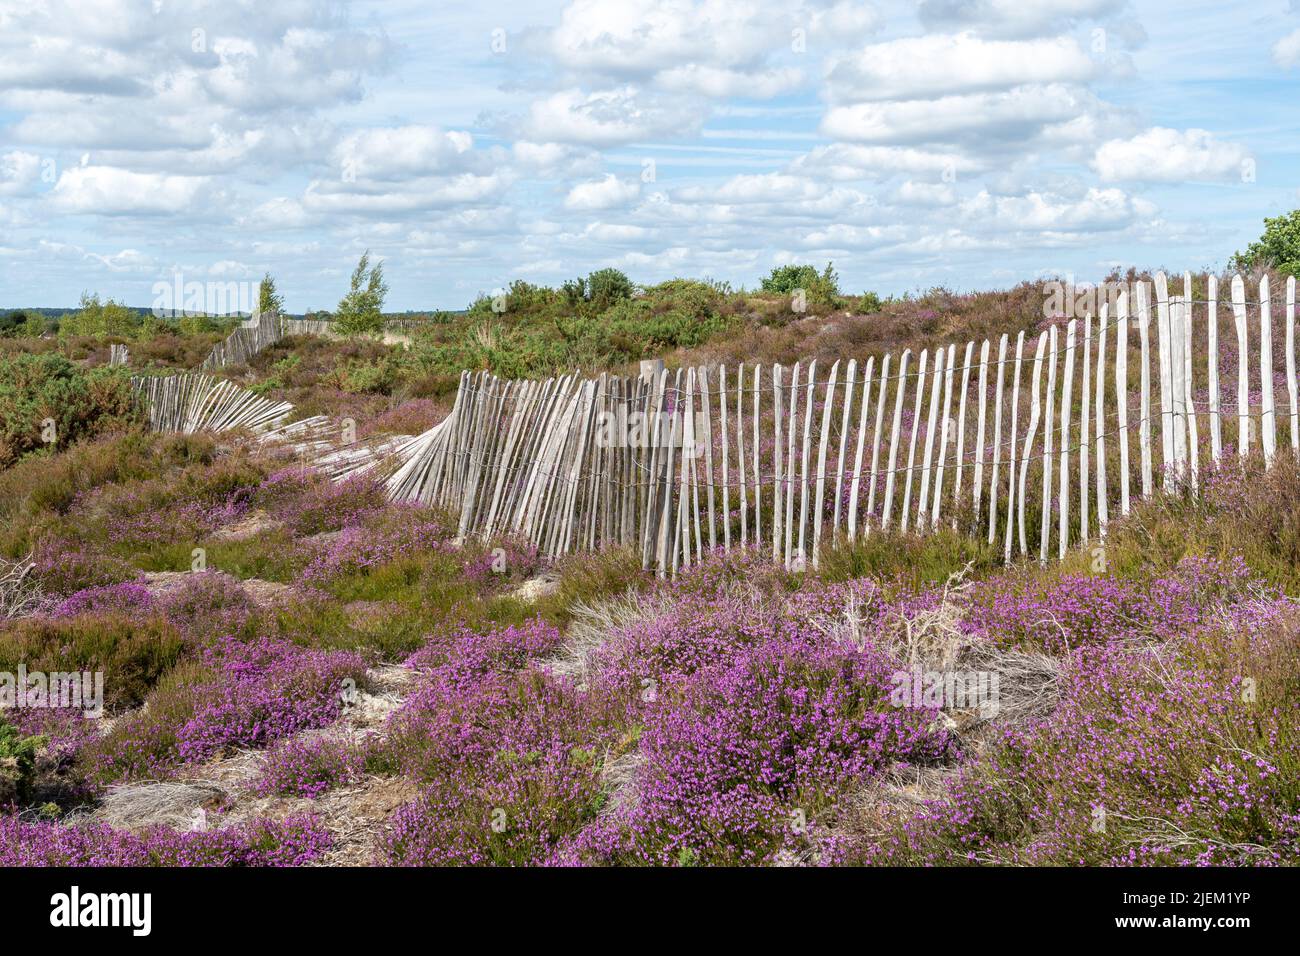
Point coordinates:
[(1097, 209), (847, 161), (1004, 119), (938, 65), (925, 194), (756, 188), (18, 172), (106, 190), (604, 193), (1286, 51), (395, 153), (1013, 17), (720, 82), (606, 118), (714, 48), (1167, 155)]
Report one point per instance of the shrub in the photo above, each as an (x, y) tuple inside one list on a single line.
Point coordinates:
[(607, 286), (132, 650), (80, 403), (293, 841)]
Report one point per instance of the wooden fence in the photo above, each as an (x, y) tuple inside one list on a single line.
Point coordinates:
[(1031, 444), (261, 331)]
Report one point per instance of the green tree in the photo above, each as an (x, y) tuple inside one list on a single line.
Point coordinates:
[(1279, 246), (13, 323), (268, 299), (820, 288), (607, 286), (100, 319), (361, 311)]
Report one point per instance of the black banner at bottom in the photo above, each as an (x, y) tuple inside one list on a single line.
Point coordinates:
[(342, 905)]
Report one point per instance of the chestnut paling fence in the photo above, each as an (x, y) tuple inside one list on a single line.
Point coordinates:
[(1031, 444)]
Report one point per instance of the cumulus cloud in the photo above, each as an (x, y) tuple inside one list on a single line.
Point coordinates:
[(606, 117), (106, 190), (394, 153), (604, 193), (1168, 155), (713, 48), (1097, 210), (18, 172), (1286, 51), (937, 65), (1013, 17), (1008, 118)]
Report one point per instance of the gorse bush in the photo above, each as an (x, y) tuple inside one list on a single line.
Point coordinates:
[(47, 401)]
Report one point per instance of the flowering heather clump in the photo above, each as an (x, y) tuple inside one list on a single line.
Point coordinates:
[(412, 417), (65, 567), (1173, 755), (127, 596), (208, 605), (309, 766), (462, 658), (241, 695), (509, 765), (310, 504), (293, 841), (1067, 612), (745, 753), (401, 531), (506, 561)]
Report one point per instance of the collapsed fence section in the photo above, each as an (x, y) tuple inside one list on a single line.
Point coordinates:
[(1030, 445), (260, 332)]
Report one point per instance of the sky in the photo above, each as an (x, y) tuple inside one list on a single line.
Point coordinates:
[(969, 144)]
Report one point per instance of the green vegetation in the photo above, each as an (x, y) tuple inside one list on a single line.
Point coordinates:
[(1278, 247), (47, 401), (361, 311), (268, 299)]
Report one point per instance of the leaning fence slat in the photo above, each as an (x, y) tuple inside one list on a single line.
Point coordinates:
[(778, 416), (894, 437), (792, 430), (1290, 363), (856, 483), (961, 424), (1163, 340), (1212, 347), (997, 437), (945, 419), (911, 446), (876, 437), (1099, 413), (1067, 390), (1013, 495), (823, 438), (1267, 412), (804, 476), (1035, 412), (1085, 397), (849, 381), (706, 411), (1049, 411), (726, 471), (1243, 366), (982, 385), (922, 511), (1144, 424), (1189, 394)]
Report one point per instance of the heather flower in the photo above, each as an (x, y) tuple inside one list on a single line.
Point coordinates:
[(293, 841)]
